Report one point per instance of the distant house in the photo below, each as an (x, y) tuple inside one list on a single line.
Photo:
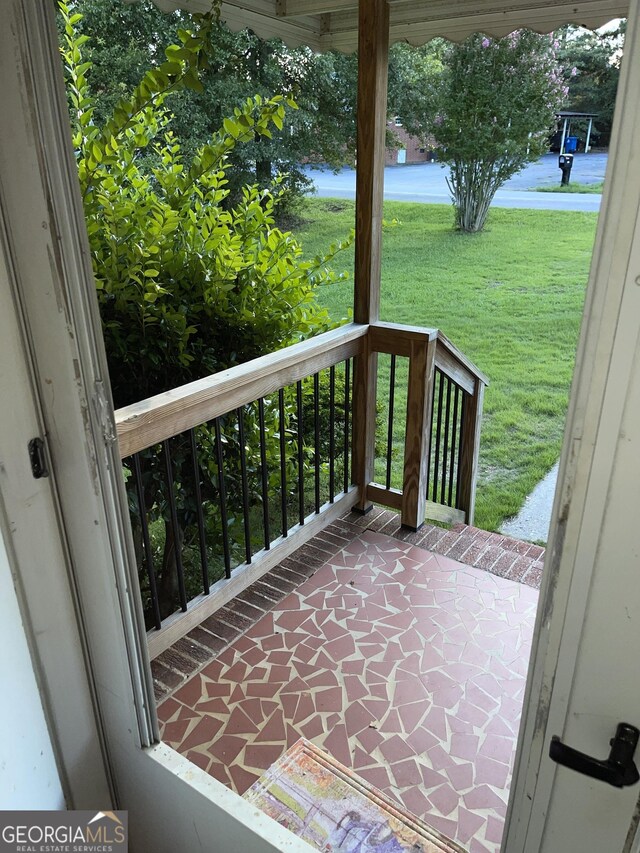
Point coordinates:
[(407, 148)]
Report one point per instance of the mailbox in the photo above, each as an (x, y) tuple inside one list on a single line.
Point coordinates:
[(565, 162)]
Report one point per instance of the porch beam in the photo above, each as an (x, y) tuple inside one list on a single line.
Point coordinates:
[(373, 60)]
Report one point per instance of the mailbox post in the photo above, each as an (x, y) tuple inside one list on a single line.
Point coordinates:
[(565, 162)]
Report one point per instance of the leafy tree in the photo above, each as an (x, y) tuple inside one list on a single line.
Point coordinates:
[(186, 286), (125, 40), (490, 112), (591, 62)]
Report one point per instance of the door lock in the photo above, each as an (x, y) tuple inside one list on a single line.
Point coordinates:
[(618, 769)]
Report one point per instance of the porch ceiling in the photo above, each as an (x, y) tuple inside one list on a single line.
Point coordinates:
[(333, 24)]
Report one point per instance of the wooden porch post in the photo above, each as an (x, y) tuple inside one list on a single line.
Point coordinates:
[(418, 435), (470, 450), (373, 57)]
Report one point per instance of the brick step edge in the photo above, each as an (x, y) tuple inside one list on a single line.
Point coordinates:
[(500, 555)]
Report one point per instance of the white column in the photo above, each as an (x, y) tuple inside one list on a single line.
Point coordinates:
[(586, 145), (564, 136)]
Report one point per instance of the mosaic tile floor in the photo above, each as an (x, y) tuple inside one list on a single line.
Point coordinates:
[(406, 666)]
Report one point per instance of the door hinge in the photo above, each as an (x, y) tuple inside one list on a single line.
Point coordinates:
[(38, 458)]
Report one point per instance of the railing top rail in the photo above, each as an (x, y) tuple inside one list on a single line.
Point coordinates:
[(461, 358), (155, 419), (397, 339)]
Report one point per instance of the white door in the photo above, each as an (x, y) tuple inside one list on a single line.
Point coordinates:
[(585, 674), (68, 532)]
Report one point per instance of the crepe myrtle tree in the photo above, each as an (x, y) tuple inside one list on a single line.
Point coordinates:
[(490, 112)]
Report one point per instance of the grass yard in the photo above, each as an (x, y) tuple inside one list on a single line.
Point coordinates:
[(576, 187), (510, 298)]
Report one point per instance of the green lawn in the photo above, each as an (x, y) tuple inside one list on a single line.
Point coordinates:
[(574, 187), (510, 298)]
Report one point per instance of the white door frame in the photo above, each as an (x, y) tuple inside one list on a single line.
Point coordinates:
[(173, 804), (609, 335)]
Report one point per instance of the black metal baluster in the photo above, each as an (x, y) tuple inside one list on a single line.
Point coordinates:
[(332, 433), (283, 463), (264, 475), (316, 434), (300, 453), (438, 428), (445, 449), (392, 390), (148, 558), (462, 408), (173, 510), (222, 492), (453, 442), (430, 422), (245, 485), (347, 402), (202, 538)]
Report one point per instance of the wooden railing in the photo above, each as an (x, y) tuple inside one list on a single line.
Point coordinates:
[(216, 466), (442, 420)]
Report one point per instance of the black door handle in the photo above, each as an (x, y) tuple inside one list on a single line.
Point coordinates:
[(618, 769)]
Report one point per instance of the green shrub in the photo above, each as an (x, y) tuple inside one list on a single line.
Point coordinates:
[(186, 287)]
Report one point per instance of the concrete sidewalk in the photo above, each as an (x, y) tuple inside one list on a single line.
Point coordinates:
[(532, 522)]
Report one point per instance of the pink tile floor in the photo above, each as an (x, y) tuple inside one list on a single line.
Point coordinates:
[(406, 666)]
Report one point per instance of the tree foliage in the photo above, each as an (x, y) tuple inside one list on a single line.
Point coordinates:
[(489, 110), (591, 62), (186, 286), (127, 39)]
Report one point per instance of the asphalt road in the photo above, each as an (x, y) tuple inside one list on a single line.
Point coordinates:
[(426, 183)]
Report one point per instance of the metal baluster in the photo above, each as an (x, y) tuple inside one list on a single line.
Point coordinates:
[(316, 432), (148, 558), (332, 433), (264, 476), (431, 442), (453, 442), (174, 525), (222, 492), (283, 463), (202, 538), (460, 445), (445, 449), (438, 428), (245, 485), (392, 389), (300, 454), (347, 402)]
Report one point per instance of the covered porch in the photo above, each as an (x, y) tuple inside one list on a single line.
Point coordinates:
[(400, 648), (82, 616)]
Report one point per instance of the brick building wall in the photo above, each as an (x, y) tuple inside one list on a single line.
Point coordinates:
[(416, 150)]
